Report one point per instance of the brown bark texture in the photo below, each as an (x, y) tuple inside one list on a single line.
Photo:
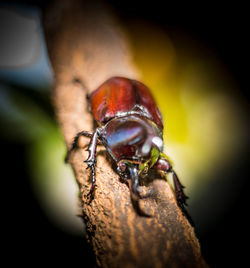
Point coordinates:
[(85, 43)]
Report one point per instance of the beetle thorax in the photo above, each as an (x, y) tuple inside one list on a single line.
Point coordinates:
[(131, 137)]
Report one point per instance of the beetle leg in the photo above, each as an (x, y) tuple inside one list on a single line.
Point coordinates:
[(75, 143), (180, 195), (135, 195), (91, 160), (164, 165), (134, 183)]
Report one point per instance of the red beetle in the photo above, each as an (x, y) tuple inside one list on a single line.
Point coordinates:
[(130, 127)]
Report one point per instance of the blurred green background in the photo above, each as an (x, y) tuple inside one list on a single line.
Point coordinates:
[(195, 67)]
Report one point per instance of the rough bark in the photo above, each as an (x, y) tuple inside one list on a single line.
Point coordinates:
[(85, 43)]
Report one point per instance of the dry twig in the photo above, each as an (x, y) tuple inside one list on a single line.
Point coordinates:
[(85, 43)]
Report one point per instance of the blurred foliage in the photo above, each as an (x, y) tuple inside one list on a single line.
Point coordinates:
[(27, 117), (25, 114)]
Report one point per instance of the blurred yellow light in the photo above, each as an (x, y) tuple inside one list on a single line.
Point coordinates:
[(203, 125)]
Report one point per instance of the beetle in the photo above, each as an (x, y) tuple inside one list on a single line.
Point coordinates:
[(130, 127)]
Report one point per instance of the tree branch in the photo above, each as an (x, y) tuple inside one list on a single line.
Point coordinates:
[(85, 44)]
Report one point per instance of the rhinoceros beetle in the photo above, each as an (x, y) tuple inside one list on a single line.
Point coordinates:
[(130, 128)]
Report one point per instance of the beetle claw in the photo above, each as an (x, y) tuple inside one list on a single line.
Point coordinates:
[(90, 163)]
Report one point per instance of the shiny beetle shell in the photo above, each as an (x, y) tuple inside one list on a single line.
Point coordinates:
[(118, 96)]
